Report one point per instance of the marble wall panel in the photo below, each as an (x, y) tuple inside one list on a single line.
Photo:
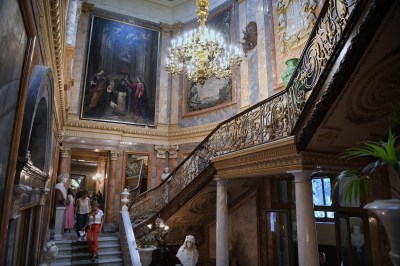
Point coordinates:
[(13, 40)]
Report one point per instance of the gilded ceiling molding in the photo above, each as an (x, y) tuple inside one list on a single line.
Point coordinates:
[(81, 128), (53, 29)]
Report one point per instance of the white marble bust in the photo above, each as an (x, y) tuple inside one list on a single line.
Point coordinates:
[(187, 253), (61, 190), (165, 174)]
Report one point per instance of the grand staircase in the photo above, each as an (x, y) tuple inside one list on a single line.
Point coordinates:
[(72, 252), (274, 118)]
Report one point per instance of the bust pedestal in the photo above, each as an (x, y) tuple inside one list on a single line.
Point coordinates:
[(59, 224)]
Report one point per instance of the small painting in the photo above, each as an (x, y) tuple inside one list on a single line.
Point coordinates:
[(121, 72), (136, 172), (215, 93)]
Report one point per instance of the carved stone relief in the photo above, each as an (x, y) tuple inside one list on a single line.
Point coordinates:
[(295, 20)]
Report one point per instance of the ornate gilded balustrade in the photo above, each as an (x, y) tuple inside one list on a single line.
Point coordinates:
[(269, 120)]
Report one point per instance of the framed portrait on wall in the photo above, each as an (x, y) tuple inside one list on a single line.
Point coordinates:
[(121, 71), (215, 93)]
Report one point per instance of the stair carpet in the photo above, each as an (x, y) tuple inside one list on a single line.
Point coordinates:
[(72, 252)]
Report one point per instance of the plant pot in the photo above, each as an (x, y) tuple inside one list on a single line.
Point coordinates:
[(146, 255), (388, 212)]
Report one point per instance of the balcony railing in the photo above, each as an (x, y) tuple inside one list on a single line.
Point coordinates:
[(269, 120)]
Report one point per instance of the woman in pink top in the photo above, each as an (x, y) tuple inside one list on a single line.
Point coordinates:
[(69, 211)]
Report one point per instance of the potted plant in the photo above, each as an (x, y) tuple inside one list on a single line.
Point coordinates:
[(384, 154), (146, 245)]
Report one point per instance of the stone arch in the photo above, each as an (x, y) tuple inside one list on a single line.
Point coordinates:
[(37, 122)]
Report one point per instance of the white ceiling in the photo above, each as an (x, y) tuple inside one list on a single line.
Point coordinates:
[(169, 3), (166, 11)]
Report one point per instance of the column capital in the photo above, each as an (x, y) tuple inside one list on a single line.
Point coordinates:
[(161, 150), (65, 152), (221, 181), (301, 175), (165, 28), (102, 158), (60, 135), (114, 155), (176, 28), (173, 151)]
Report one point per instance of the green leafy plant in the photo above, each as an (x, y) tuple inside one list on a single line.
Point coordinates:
[(147, 239), (383, 154)]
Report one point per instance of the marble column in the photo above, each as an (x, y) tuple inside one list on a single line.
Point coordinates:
[(101, 169), (110, 205), (64, 161), (306, 231), (222, 228)]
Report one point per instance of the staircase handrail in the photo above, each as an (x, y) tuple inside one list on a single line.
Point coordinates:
[(271, 119)]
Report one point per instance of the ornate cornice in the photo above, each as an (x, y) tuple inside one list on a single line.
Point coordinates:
[(107, 131), (277, 159), (51, 19)]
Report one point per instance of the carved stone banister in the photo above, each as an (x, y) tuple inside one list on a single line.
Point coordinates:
[(267, 121)]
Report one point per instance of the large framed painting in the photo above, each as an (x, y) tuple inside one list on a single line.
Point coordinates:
[(121, 71), (215, 93)]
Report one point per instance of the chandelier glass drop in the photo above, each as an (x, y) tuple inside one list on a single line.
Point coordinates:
[(202, 53)]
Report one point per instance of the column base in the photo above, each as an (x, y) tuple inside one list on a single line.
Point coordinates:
[(109, 228)]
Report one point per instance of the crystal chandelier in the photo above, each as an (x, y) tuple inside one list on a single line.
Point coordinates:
[(202, 53)]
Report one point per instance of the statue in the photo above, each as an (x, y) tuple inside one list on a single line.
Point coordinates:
[(165, 174), (357, 238), (50, 252), (187, 253), (61, 190)]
